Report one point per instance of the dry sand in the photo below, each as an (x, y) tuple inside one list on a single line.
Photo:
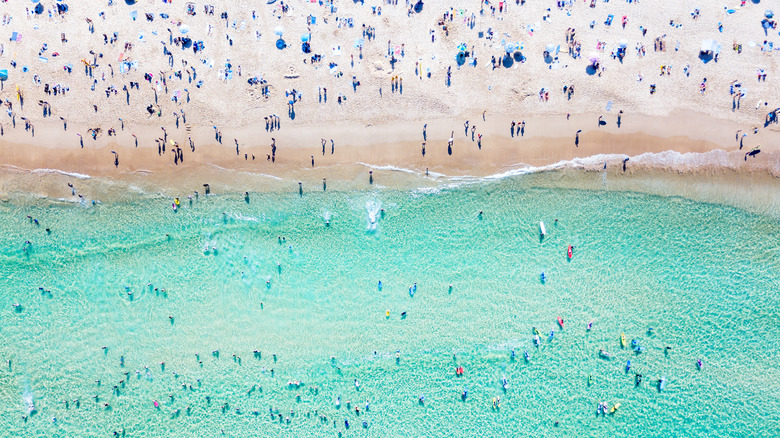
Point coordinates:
[(383, 130)]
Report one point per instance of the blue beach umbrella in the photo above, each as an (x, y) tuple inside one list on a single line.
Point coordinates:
[(305, 37), (3, 75), (39, 9), (280, 44)]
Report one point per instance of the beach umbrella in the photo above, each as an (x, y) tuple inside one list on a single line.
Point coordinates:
[(36, 1), (710, 46), (461, 47), (305, 37), (768, 13), (510, 47), (3, 75), (184, 28), (551, 48), (279, 30), (622, 44), (280, 44), (130, 2), (593, 57)]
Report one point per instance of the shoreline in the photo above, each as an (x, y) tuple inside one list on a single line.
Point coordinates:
[(546, 140), (696, 151), (714, 177)]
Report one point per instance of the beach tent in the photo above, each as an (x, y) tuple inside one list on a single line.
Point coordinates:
[(710, 46)]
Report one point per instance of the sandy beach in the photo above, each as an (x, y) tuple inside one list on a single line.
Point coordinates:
[(389, 218), (520, 58)]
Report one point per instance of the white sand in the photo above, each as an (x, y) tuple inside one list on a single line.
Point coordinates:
[(385, 128)]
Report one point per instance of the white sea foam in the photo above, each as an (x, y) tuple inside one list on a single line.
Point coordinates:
[(373, 209), (62, 172), (687, 161), (46, 171), (391, 168), (265, 175)]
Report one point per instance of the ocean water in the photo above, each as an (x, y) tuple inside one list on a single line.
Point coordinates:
[(269, 319)]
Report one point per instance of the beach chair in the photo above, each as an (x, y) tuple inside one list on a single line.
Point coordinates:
[(610, 17)]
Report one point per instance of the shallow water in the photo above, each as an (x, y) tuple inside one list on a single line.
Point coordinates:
[(703, 276)]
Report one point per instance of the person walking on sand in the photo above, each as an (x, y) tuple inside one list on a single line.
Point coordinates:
[(423, 149), (312, 161), (577, 138), (323, 145), (466, 126), (332, 146), (449, 143)]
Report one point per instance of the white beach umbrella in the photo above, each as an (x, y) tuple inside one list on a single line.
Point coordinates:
[(279, 30)]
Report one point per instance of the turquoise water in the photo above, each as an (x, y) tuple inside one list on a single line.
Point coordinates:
[(704, 277)]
